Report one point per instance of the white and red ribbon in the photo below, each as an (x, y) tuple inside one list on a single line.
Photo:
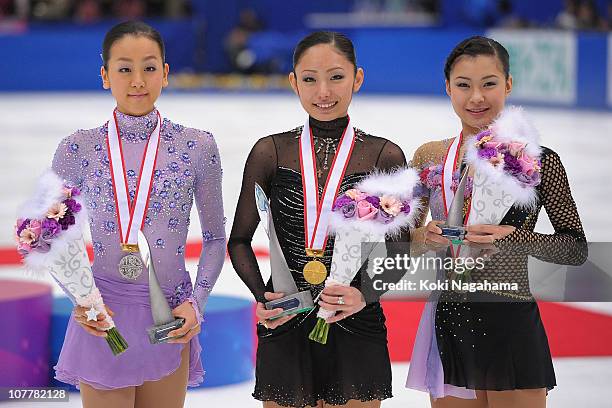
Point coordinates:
[(316, 212), (450, 164), (130, 213)]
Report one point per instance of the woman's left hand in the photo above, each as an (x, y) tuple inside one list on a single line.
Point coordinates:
[(487, 233), (346, 300), (190, 328)]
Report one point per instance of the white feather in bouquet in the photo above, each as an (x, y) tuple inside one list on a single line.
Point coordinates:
[(49, 235), (381, 204), (49, 191), (508, 154)]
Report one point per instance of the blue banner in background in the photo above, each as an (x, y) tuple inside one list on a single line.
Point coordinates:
[(557, 68), (610, 70), (67, 57)]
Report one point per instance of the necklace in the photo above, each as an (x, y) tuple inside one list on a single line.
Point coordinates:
[(330, 143), (330, 147)]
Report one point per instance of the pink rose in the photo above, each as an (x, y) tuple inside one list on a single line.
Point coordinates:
[(361, 196), (36, 227), (527, 164), (366, 211), (23, 248)]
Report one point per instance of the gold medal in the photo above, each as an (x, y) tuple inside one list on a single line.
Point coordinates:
[(315, 272)]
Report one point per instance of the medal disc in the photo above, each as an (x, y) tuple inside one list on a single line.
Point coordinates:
[(130, 267), (315, 272)]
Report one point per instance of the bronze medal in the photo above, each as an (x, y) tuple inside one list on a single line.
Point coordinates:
[(315, 272)]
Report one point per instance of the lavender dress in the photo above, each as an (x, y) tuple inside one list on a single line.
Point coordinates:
[(188, 169), (426, 372)]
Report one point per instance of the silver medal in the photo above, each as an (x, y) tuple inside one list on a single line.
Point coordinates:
[(130, 267)]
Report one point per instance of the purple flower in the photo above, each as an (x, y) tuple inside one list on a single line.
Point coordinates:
[(529, 181), (375, 201), (73, 191), (483, 134), (67, 221), (487, 153), (385, 217), (512, 165), (348, 210), (342, 201), (72, 205), (23, 225), (50, 228), (406, 207)]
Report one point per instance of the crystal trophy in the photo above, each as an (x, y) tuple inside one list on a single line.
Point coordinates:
[(454, 229), (164, 321), (294, 301)]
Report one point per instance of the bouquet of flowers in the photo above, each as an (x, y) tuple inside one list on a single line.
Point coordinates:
[(508, 154), (49, 237), (381, 205)]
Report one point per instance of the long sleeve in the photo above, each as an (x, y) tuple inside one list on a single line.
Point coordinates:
[(259, 168), (568, 243), (209, 202)]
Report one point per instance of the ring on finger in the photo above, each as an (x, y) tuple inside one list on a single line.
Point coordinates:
[(341, 300)]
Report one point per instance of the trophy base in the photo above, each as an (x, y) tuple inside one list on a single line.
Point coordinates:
[(159, 334), (292, 304), (454, 233)]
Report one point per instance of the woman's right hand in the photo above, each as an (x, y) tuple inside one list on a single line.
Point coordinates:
[(433, 235), (264, 315), (93, 327)]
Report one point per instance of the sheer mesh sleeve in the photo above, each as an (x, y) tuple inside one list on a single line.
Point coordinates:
[(568, 244), (209, 202), (259, 168)]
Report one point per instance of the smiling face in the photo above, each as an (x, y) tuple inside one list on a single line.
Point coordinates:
[(478, 90), (325, 80), (136, 74)]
